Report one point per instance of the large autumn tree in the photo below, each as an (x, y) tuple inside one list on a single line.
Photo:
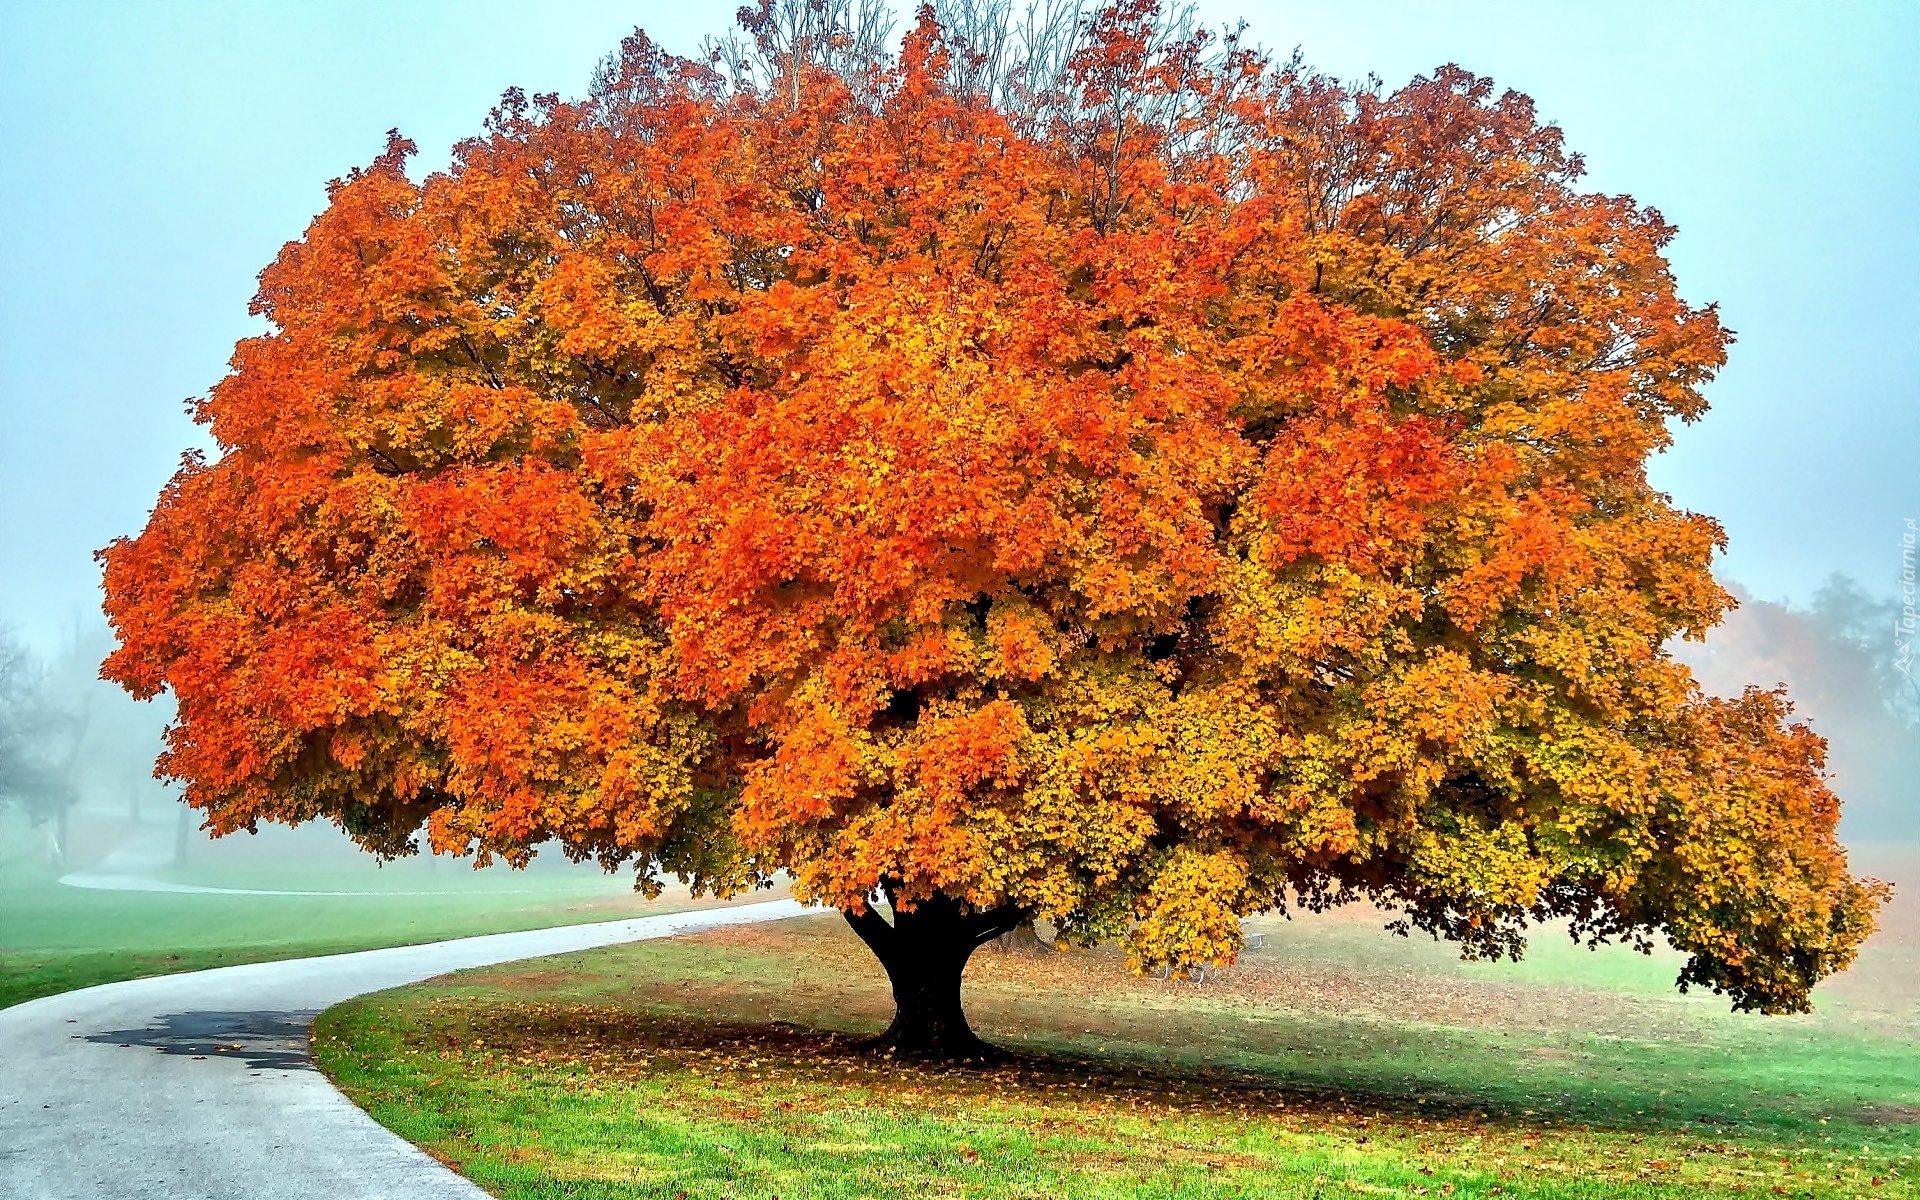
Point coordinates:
[(1101, 475)]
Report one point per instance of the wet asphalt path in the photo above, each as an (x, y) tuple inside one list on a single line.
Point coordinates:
[(198, 1086)]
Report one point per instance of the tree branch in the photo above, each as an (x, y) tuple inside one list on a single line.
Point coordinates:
[(995, 922), (873, 930)]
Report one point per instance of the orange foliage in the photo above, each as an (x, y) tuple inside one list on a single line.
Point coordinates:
[(1140, 523)]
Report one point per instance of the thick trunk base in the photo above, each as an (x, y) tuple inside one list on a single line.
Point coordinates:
[(924, 1040), (925, 950)]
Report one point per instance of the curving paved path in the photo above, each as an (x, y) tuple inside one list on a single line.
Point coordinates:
[(198, 1087)]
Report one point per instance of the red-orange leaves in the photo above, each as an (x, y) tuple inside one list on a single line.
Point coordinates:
[(1356, 491), (1358, 449), (1132, 502), (1022, 643), (498, 533)]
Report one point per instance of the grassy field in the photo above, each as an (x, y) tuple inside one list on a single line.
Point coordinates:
[(1335, 1060), (54, 938)]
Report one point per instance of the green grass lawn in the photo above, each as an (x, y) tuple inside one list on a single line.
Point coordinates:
[(1334, 1061), (55, 938)]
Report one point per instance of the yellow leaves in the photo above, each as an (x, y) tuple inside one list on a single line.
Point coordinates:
[(1189, 914), (1423, 717), (594, 317), (1484, 870), (1217, 752)]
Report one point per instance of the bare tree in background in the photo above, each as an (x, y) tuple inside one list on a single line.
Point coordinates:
[(69, 742), (1020, 63), (1835, 655), (784, 40), (1048, 65), (39, 742)]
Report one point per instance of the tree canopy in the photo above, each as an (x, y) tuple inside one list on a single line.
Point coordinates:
[(1133, 482)]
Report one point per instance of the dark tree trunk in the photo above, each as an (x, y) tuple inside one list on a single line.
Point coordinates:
[(925, 951)]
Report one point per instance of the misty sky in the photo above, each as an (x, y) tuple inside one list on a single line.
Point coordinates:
[(153, 157)]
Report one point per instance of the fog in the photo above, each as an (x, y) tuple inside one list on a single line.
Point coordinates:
[(1836, 655), (78, 790)]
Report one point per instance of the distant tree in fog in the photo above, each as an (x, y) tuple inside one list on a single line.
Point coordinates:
[(1836, 655), (39, 738), (116, 737), (1852, 619)]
